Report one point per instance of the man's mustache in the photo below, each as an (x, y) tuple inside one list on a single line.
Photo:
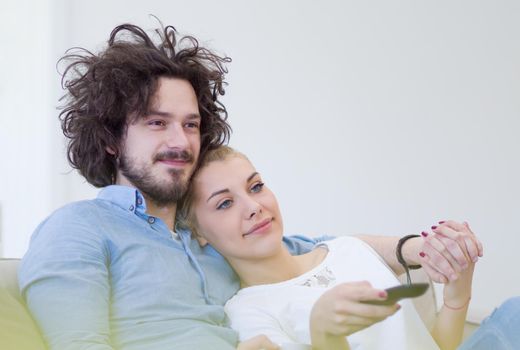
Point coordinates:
[(175, 155)]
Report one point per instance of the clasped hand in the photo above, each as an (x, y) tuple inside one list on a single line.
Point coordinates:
[(448, 256), (452, 249)]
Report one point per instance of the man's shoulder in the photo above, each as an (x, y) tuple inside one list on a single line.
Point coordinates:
[(78, 216), (77, 205), (82, 210), (69, 229)]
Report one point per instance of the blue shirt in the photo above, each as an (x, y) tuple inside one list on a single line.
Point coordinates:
[(102, 274)]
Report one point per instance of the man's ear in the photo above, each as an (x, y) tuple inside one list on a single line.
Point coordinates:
[(110, 150)]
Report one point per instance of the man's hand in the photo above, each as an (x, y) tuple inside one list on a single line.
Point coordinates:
[(339, 312), (260, 342), (450, 250)]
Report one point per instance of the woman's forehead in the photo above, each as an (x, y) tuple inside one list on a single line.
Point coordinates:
[(222, 172)]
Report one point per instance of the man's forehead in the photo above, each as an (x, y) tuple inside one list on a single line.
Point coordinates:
[(166, 114)]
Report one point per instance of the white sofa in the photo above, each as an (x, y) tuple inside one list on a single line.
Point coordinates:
[(17, 326), (8, 276)]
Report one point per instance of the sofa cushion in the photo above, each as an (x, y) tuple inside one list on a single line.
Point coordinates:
[(17, 328)]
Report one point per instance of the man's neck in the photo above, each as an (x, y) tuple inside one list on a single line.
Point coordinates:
[(165, 213)]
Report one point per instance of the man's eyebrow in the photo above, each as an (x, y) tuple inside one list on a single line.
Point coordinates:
[(167, 114), (194, 116), (157, 112)]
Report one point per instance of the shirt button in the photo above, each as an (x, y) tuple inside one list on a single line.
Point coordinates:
[(151, 220), (139, 201), (131, 208)]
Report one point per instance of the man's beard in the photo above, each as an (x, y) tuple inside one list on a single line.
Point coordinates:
[(161, 193)]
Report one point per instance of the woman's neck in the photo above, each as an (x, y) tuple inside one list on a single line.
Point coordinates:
[(279, 267)]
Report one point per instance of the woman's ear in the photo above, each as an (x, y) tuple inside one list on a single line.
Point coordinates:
[(202, 241)]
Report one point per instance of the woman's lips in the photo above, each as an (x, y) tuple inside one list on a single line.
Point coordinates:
[(261, 227)]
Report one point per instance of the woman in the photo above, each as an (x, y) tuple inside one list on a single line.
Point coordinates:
[(282, 296)]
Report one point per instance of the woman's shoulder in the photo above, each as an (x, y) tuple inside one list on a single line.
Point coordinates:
[(342, 243), (256, 296), (350, 249)]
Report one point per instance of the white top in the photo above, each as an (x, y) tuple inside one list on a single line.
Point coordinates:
[(281, 311)]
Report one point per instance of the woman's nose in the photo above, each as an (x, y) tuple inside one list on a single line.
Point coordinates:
[(254, 209)]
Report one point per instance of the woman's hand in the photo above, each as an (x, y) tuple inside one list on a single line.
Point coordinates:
[(461, 250), (340, 312), (451, 250), (260, 342), (457, 293)]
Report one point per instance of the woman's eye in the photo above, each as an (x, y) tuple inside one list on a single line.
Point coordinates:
[(224, 204), (257, 187)]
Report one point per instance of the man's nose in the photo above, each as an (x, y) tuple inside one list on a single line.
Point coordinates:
[(176, 137)]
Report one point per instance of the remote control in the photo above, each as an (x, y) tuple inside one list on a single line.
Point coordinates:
[(399, 292)]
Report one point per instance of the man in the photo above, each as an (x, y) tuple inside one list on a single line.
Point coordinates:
[(115, 272)]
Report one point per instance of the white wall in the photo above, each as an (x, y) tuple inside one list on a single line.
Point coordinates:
[(364, 117), (27, 121)]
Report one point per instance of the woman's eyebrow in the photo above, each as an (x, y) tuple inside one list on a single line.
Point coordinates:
[(217, 193), (227, 189), (252, 175)]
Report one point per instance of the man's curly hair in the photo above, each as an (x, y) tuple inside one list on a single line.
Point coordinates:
[(107, 91)]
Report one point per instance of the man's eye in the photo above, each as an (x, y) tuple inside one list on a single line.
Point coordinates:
[(156, 123), (224, 204), (192, 125), (257, 187)]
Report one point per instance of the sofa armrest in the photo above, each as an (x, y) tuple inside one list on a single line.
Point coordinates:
[(9, 276), (17, 328)]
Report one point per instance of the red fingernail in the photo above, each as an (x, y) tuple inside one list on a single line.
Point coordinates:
[(441, 222), (382, 294), (434, 227), (422, 254), (424, 234)]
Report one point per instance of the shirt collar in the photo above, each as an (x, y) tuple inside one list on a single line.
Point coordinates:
[(126, 197)]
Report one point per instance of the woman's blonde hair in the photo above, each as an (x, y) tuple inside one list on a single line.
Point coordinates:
[(185, 217)]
